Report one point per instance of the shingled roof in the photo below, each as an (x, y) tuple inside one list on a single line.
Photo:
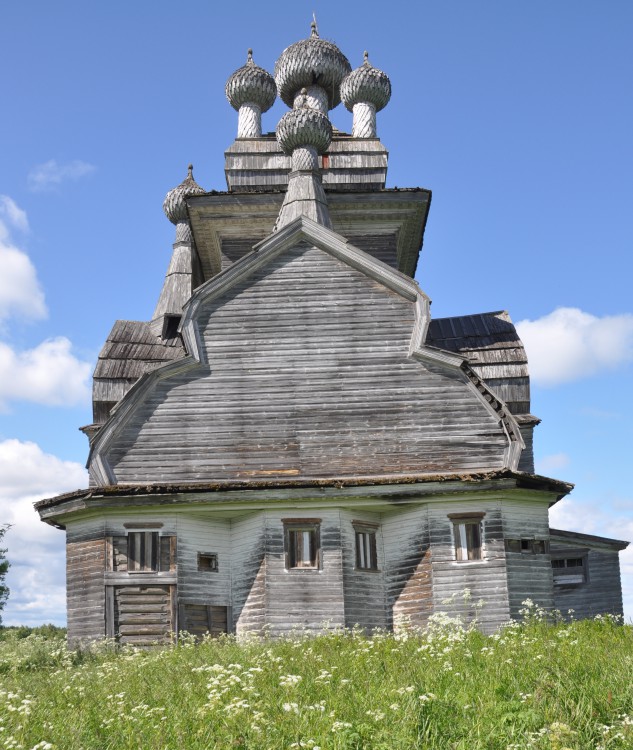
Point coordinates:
[(491, 344)]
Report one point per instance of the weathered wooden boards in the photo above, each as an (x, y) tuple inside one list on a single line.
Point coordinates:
[(309, 375)]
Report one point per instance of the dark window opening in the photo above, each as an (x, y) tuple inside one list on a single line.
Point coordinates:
[(366, 554), (467, 540), (302, 545), (170, 326), (142, 551), (207, 562)]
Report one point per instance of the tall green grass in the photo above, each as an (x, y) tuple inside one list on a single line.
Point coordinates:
[(533, 685)]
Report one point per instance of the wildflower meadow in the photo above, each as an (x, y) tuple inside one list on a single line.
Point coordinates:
[(538, 684)]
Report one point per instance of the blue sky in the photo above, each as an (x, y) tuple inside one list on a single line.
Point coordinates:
[(518, 116)]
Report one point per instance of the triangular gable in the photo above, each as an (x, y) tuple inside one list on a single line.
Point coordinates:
[(301, 233)]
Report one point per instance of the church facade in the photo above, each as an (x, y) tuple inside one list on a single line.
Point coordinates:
[(292, 441)]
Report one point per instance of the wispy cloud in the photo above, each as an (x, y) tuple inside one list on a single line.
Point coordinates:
[(35, 550), (553, 462), (11, 215), (52, 173), (569, 344), (20, 291), (47, 374)]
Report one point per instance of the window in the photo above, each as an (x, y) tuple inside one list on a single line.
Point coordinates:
[(467, 535), (527, 546), (207, 562), (301, 541), (569, 570), (365, 540), (142, 551)]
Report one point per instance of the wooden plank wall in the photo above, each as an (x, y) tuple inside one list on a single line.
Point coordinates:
[(484, 579), (364, 590), (202, 534), (526, 462), (85, 566), (309, 376), (248, 565), (143, 615), (529, 575), (408, 575), (304, 598), (602, 592)]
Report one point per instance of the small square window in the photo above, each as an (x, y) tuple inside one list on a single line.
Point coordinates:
[(366, 557), (207, 562), (302, 544)]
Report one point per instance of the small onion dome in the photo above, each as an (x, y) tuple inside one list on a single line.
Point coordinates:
[(311, 62), (174, 203), (366, 84), (251, 84), (304, 126)]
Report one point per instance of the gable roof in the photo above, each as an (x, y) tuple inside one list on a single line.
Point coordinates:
[(304, 232)]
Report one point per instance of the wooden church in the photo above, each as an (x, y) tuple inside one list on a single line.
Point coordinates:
[(291, 441)]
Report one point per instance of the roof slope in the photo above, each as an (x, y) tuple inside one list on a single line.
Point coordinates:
[(494, 350)]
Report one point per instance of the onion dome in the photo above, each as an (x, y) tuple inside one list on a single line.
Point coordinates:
[(304, 126), (174, 203), (251, 84), (311, 62), (367, 85)]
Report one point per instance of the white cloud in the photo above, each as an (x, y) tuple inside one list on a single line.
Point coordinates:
[(35, 550), (553, 462), (12, 214), (48, 374), (569, 344), (20, 291), (50, 174)]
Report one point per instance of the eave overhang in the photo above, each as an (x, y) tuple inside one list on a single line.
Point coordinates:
[(392, 488), (393, 212), (589, 540)]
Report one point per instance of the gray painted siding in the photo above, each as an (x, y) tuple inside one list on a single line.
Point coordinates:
[(408, 576), (364, 590), (85, 594), (529, 575), (484, 579), (301, 599), (248, 568), (602, 592), (309, 375), (200, 534)]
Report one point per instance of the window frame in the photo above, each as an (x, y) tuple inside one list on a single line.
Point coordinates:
[(296, 532), (461, 541), (365, 546), (567, 579), (139, 538)]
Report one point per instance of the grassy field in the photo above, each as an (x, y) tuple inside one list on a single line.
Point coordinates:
[(535, 685)]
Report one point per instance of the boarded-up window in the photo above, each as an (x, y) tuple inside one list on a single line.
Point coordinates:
[(569, 570), (302, 544), (527, 546), (199, 619)]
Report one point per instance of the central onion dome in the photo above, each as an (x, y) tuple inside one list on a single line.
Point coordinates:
[(311, 62), (174, 205), (303, 127), (251, 84), (367, 85)]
